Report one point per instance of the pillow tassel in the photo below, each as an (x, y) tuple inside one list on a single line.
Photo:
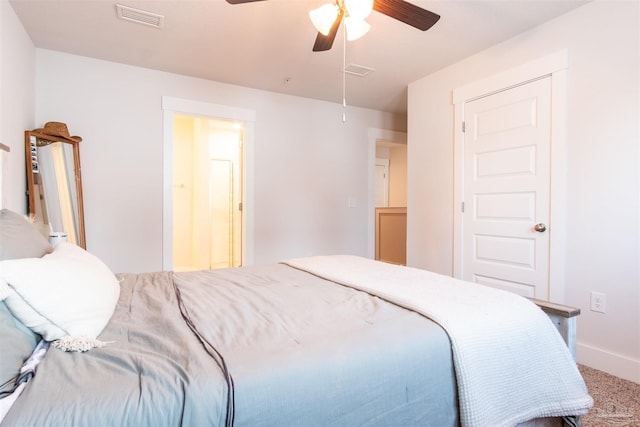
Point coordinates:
[(81, 343)]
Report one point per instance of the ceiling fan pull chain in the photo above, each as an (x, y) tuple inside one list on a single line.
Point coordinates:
[(344, 73)]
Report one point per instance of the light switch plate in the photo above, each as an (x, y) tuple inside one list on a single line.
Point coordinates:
[(598, 302)]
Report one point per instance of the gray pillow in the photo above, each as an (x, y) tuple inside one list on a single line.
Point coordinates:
[(19, 238), (18, 342)]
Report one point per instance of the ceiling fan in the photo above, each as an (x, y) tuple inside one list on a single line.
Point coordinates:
[(327, 18)]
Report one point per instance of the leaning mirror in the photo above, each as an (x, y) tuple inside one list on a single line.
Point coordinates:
[(54, 184)]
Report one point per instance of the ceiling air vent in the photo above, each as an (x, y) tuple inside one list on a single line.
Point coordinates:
[(358, 70), (140, 16)]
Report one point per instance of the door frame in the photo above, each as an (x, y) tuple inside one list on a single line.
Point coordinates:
[(172, 106), (554, 66)]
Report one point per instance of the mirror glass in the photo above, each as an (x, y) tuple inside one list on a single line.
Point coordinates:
[(55, 187)]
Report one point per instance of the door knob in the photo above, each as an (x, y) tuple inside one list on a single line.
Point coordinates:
[(540, 228)]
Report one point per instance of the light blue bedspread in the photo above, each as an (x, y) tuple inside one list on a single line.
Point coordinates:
[(302, 351)]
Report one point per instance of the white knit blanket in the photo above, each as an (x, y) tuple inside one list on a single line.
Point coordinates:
[(511, 363)]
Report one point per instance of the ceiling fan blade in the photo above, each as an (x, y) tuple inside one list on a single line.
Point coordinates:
[(325, 42), (241, 1), (406, 12)]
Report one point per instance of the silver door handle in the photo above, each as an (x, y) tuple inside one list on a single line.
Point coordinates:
[(540, 228)]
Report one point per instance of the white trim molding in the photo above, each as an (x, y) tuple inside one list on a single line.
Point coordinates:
[(612, 363)]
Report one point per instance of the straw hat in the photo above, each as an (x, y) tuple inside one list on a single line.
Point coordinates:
[(58, 129)]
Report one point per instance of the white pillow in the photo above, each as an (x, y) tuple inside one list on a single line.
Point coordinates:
[(67, 293)]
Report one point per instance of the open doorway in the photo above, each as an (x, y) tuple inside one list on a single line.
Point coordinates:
[(391, 202), (207, 192), (391, 174), (381, 159)]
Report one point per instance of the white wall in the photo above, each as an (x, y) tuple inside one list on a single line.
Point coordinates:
[(602, 170), (307, 162), (17, 100)]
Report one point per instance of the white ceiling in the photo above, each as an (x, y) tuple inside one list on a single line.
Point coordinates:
[(267, 44)]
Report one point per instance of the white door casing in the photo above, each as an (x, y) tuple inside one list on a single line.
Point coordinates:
[(170, 107), (553, 66), (506, 189)]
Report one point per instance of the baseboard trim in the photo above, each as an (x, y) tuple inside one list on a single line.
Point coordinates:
[(611, 363)]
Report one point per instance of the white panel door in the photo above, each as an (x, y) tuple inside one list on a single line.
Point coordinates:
[(507, 143), (221, 208), (382, 183)]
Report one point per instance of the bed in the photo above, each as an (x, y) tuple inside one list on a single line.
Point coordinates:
[(317, 341)]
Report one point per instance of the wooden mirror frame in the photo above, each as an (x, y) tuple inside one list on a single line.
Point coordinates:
[(43, 140)]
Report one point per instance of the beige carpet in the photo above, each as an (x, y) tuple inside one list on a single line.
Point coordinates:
[(616, 401)]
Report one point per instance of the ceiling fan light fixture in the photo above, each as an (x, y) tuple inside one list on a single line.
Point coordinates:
[(358, 9), (356, 28), (324, 17)]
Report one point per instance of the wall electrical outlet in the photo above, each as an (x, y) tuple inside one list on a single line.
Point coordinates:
[(598, 302)]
